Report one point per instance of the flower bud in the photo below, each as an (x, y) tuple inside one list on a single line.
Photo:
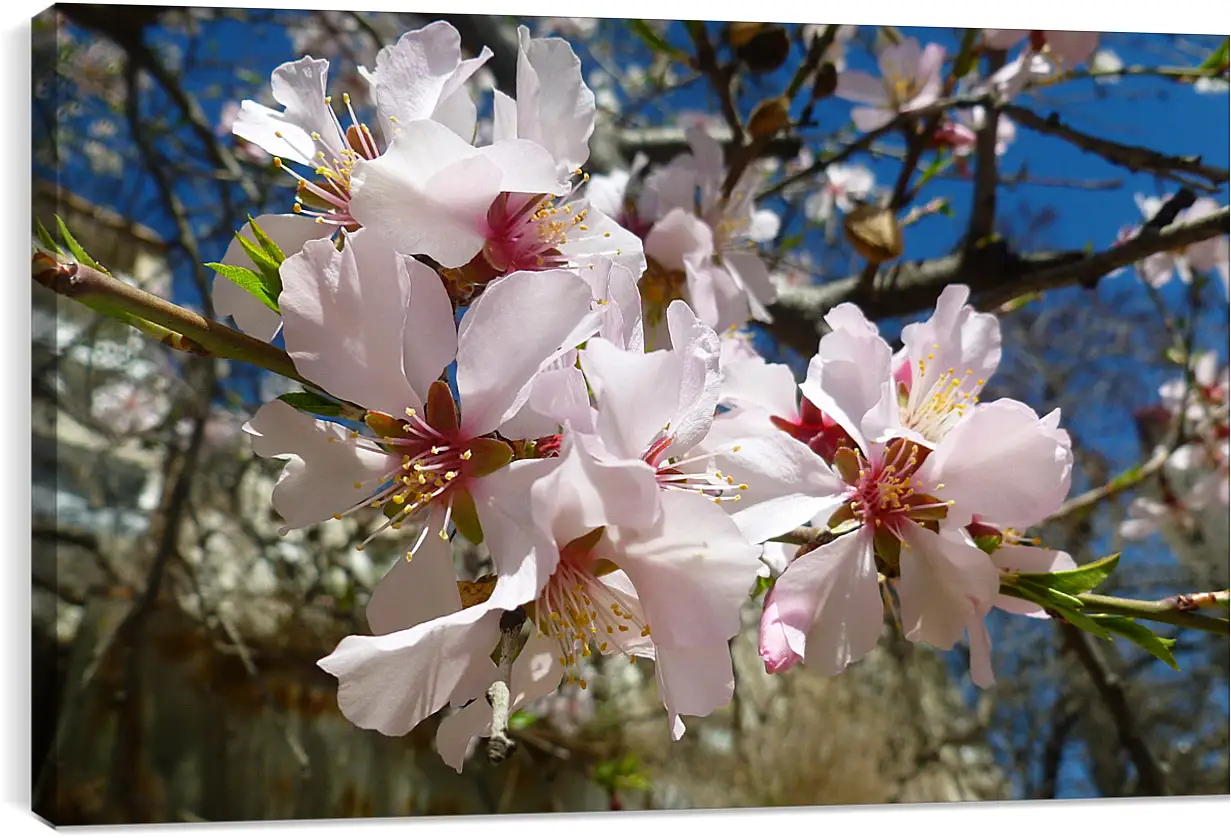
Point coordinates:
[(874, 232)]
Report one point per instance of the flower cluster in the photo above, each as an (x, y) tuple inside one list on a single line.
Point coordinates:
[(537, 367)]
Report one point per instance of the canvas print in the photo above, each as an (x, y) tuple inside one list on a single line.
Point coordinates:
[(442, 414)]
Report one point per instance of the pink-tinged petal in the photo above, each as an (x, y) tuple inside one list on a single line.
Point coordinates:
[(788, 484), (558, 396), (1158, 268), (427, 194), (696, 349), (636, 394), (826, 607), (344, 314), (707, 156), (505, 337), (603, 239), (755, 383), (1003, 38), (591, 489), (750, 272), (524, 554), (1004, 464), (527, 167), (415, 591), (956, 338), (715, 296), (615, 284), (678, 235), (671, 187), (504, 117), (927, 71), (945, 582), (430, 336), (289, 232), (299, 86), (555, 108), (980, 654), (392, 682), (693, 681), (419, 73), (319, 481), (858, 86), (1016, 558), (733, 426), (846, 391), (692, 570), (871, 118), (1072, 48), (900, 60), (536, 673)]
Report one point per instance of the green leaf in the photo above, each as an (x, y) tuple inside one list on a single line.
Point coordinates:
[(654, 41), (320, 405), (265, 264), (1075, 581), (1217, 59), (1135, 632), (1084, 622), (77, 250), (938, 165), (247, 279), (270, 246), (45, 238)]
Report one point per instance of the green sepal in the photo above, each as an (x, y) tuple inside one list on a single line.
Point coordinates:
[(466, 518), (46, 239)]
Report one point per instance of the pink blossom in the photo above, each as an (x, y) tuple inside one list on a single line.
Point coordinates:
[(1068, 48), (347, 313), (595, 589), (1209, 255), (909, 80), (910, 480), (844, 184)]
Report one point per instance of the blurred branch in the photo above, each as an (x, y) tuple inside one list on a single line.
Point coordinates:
[(500, 745), (1151, 778), (994, 274)]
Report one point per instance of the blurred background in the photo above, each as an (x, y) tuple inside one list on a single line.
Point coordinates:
[(175, 633)]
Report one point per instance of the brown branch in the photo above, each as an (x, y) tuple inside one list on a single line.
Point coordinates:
[(994, 274), (1133, 158), (1151, 778)]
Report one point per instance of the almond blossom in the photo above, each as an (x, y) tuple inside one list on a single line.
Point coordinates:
[(422, 76), (1209, 255), (844, 184), (588, 588), (909, 80), (899, 495), (375, 328)]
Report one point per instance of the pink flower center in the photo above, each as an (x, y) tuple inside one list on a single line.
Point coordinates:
[(887, 494)]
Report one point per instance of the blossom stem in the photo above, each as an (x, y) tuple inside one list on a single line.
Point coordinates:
[(1178, 610), (159, 318)]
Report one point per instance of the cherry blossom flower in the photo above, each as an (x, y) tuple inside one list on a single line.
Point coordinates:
[(961, 133), (702, 248), (909, 80), (422, 76), (1205, 256), (589, 589), (844, 184), (900, 492), (376, 329)]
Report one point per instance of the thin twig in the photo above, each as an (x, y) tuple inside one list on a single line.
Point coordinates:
[(500, 745)]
